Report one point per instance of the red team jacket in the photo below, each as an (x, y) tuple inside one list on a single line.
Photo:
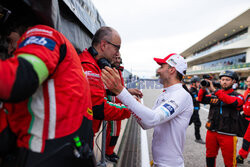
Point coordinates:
[(246, 106), (58, 106), (102, 109)]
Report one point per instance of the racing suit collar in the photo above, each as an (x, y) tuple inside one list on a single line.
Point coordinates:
[(228, 91)]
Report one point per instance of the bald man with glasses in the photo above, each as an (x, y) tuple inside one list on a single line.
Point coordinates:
[(103, 52)]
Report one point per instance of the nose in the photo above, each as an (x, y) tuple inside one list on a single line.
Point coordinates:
[(157, 72)]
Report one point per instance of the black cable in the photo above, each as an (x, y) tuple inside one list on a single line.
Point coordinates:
[(98, 137)]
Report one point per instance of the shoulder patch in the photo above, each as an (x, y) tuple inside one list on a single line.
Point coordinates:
[(168, 109), (48, 43)]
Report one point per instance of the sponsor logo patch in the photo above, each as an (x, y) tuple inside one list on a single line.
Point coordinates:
[(91, 74), (90, 112), (172, 61), (169, 108), (174, 103), (48, 43), (165, 111)]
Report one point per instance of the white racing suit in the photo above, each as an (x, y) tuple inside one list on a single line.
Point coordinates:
[(170, 118)]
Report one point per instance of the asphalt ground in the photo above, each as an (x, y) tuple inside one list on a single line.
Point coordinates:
[(194, 153)]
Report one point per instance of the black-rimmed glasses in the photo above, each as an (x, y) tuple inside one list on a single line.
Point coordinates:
[(116, 46)]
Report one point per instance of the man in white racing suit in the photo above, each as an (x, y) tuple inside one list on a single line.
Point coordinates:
[(171, 114)]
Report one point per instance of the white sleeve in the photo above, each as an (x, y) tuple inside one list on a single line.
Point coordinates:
[(146, 117)]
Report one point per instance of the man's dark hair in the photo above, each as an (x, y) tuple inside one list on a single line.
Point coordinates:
[(104, 33), (179, 76)]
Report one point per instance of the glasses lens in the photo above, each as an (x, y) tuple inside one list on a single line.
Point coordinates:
[(116, 46)]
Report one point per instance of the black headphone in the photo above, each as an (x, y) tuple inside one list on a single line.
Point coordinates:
[(103, 62), (92, 51)]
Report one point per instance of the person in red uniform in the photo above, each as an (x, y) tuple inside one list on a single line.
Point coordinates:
[(47, 94), (113, 127), (225, 105), (105, 48), (243, 153)]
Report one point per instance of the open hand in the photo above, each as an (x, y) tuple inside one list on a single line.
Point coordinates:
[(112, 80)]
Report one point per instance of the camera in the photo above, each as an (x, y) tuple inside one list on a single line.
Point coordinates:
[(217, 85), (207, 84), (204, 83)]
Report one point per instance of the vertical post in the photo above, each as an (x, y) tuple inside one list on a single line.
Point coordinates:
[(102, 163)]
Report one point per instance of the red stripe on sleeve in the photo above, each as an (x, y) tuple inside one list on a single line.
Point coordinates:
[(229, 99)]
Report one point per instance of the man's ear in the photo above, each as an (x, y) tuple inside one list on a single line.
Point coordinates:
[(172, 70), (102, 45)]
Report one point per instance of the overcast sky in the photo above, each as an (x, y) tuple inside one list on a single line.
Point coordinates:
[(156, 28)]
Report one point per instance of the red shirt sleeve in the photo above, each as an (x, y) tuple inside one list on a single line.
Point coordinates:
[(8, 69), (115, 111), (228, 99), (201, 94)]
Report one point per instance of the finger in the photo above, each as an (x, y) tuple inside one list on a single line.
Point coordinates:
[(104, 71), (108, 69), (106, 78), (116, 71), (107, 74), (113, 72), (138, 92)]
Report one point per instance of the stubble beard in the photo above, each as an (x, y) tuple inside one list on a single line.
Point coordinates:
[(226, 87)]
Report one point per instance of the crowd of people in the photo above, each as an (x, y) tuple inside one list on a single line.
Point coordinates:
[(224, 119), (54, 99)]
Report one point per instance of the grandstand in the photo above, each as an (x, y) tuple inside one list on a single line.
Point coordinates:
[(228, 47)]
